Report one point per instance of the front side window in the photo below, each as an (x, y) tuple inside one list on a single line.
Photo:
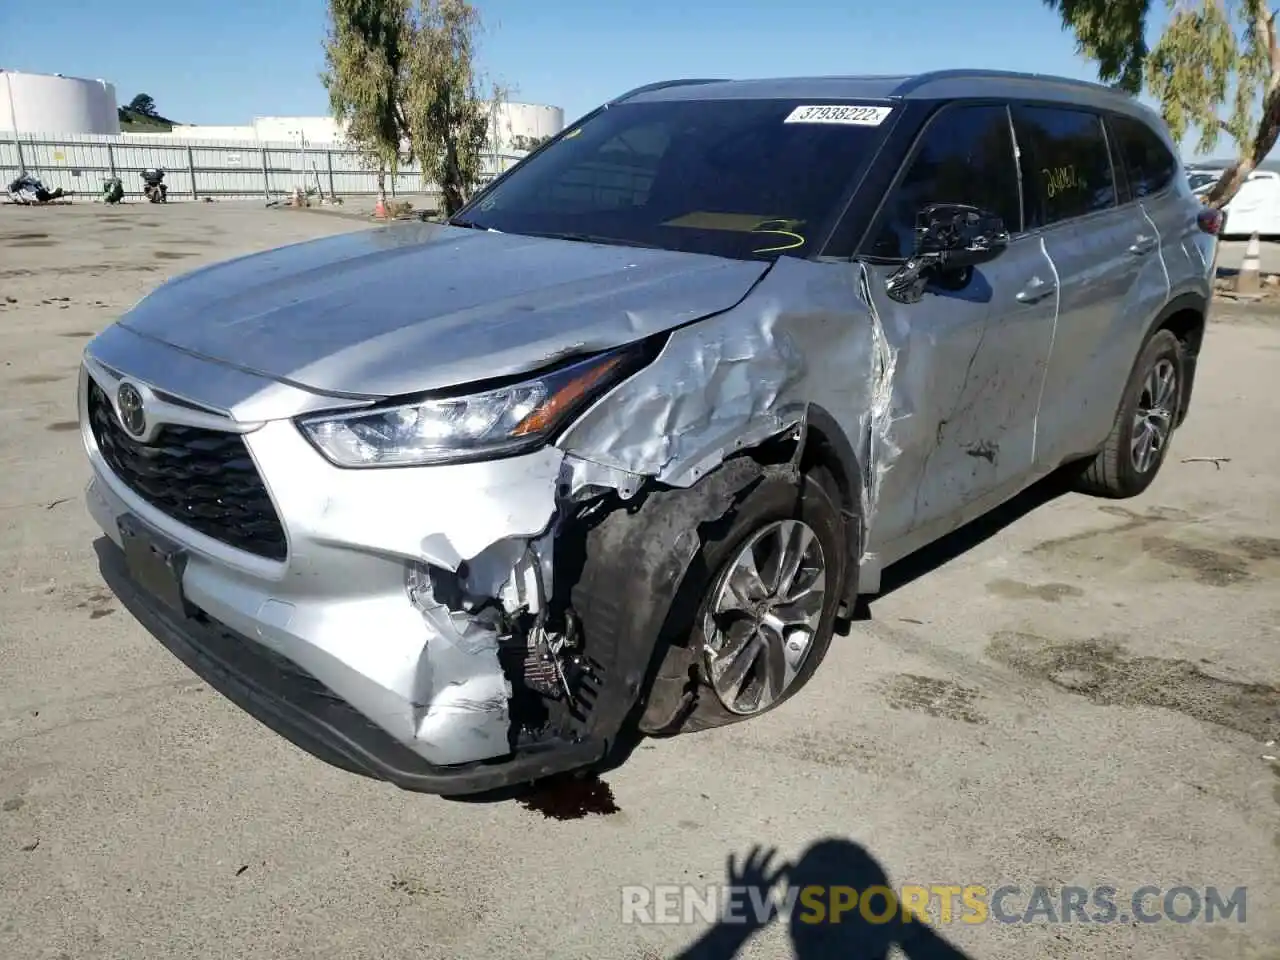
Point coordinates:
[(1066, 166), (965, 156), (1150, 165), (746, 179)]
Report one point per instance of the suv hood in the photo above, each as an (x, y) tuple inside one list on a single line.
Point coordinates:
[(417, 307)]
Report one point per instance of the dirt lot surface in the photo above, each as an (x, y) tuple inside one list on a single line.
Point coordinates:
[(1076, 693)]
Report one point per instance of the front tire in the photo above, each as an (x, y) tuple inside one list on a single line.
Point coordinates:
[(768, 610), (1139, 440)]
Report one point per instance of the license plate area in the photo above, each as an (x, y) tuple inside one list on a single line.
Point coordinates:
[(155, 563)]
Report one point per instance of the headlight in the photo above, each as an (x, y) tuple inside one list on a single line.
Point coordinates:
[(493, 423)]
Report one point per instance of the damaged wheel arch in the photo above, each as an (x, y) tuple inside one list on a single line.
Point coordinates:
[(670, 541)]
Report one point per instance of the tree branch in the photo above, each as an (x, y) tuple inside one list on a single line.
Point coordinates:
[(1267, 34)]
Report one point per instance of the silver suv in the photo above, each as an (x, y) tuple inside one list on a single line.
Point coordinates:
[(613, 451)]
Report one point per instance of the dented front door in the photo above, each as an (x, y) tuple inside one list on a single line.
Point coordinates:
[(966, 386), (968, 364)]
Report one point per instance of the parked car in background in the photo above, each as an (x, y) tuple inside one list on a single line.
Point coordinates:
[(1254, 209), (1201, 181), (612, 451)]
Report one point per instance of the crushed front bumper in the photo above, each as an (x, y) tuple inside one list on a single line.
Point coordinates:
[(340, 638), (295, 704)]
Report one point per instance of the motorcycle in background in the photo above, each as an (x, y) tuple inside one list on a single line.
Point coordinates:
[(153, 185)]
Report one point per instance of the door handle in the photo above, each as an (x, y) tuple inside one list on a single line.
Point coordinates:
[(1142, 244), (1036, 289)]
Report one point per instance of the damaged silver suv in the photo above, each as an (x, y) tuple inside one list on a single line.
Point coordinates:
[(611, 452)]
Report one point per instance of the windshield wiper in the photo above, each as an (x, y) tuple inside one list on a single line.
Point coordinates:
[(594, 238), (466, 224)]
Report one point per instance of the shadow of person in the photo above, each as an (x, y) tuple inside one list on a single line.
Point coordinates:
[(815, 934), (826, 867)]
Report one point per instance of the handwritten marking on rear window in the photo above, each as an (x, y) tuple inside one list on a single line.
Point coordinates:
[(1059, 180), (839, 113)]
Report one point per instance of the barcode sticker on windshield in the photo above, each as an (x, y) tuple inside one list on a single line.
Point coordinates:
[(839, 113)]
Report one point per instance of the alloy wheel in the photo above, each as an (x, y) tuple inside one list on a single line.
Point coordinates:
[(1153, 418), (764, 615)]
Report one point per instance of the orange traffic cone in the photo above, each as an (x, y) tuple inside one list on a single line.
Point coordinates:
[(380, 209)]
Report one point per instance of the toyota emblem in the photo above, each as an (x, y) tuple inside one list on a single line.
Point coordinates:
[(129, 402)]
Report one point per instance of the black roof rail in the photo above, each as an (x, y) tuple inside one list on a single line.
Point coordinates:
[(663, 84), (920, 80)]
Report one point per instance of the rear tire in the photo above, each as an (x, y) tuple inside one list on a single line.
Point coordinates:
[(1139, 440)]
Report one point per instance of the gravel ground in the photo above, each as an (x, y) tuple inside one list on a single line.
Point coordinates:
[(1074, 693)]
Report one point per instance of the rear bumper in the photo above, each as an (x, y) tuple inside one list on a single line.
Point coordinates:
[(296, 705)]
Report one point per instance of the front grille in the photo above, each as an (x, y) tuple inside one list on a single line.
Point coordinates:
[(202, 478)]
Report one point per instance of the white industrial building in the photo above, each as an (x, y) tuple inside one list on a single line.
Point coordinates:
[(514, 124), (53, 104), (66, 131)]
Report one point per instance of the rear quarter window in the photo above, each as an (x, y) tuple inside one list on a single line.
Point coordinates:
[(1148, 162)]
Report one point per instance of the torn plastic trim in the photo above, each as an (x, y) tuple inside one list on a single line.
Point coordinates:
[(882, 451), (487, 619), (498, 616), (809, 336), (661, 537), (717, 388)]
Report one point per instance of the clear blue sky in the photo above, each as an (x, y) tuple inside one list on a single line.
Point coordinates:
[(226, 61)]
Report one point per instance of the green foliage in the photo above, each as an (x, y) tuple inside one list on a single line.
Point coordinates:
[(1211, 57), (364, 55), (448, 117), (141, 116), (144, 105), (401, 76), (524, 142), (1112, 33), (1215, 57)]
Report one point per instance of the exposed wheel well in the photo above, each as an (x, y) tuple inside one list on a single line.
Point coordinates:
[(820, 452), (1188, 326), (824, 451)]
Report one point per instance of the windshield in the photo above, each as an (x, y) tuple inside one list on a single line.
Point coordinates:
[(747, 179)]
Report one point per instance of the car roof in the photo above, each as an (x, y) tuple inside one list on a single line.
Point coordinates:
[(936, 85)]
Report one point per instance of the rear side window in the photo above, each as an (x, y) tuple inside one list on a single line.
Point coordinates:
[(1150, 165), (965, 156), (1066, 168)]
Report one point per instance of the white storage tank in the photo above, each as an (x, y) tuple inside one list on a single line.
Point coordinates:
[(54, 104), (528, 121)]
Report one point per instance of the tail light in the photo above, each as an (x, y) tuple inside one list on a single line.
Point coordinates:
[(1210, 220)]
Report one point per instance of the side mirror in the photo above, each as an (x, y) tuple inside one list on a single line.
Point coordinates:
[(951, 239)]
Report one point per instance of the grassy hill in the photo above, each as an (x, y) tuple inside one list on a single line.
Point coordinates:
[(131, 121)]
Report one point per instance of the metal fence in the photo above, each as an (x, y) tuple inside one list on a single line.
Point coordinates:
[(195, 169)]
